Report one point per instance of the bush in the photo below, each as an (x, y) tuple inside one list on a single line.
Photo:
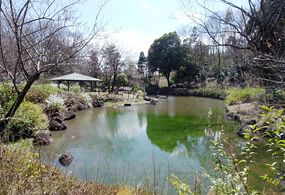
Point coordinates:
[(152, 89), (136, 88), (85, 99), (209, 92), (38, 93), (55, 102), (28, 118), (75, 88), (122, 80), (248, 94), (276, 96), (7, 96), (273, 132)]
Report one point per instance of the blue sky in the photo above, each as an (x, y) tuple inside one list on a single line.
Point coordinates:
[(136, 23)]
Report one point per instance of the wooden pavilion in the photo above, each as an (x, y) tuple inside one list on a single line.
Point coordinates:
[(75, 77)]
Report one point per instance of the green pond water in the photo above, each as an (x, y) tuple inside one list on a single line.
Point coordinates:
[(139, 144)]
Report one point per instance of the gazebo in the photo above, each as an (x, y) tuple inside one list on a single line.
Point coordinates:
[(75, 77)]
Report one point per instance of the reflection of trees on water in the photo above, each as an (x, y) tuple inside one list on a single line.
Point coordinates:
[(168, 132), (172, 133)]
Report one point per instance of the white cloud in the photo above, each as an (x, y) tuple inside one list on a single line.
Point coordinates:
[(133, 42), (180, 17), (146, 6)]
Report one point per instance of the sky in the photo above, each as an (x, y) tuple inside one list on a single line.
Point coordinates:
[(134, 24)]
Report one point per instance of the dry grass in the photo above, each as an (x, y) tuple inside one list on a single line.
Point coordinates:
[(22, 172)]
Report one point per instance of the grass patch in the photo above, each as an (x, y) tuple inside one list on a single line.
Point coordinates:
[(248, 94)]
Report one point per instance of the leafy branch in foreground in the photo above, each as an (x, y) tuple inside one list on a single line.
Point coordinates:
[(230, 177), (272, 132)]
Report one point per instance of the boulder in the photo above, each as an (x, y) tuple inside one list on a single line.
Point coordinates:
[(161, 96), (146, 98), (97, 103), (56, 124), (80, 106), (56, 114), (42, 137), (153, 101), (251, 122), (233, 116), (68, 114), (246, 128), (65, 159)]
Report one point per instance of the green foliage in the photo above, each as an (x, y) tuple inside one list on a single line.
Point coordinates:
[(165, 54), (85, 99), (136, 88), (122, 80), (186, 73), (28, 118), (75, 88), (230, 178), (273, 132), (55, 102), (7, 96), (276, 96), (38, 93), (151, 89), (209, 92), (248, 94), (181, 188)]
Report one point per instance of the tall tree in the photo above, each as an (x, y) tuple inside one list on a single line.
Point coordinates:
[(30, 35), (142, 63), (164, 55), (113, 65)]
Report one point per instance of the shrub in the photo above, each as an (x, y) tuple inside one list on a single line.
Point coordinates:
[(136, 88), (55, 102), (7, 96), (122, 80), (85, 99), (151, 89), (247, 94), (273, 131), (75, 88), (38, 93), (28, 118), (275, 96), (209, 92)]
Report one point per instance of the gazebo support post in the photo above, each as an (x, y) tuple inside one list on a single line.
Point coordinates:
[(91, 86), (68, 85), (58, 84)]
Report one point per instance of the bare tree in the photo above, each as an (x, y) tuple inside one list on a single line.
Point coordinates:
[(113, 64), (257, 27), (260, 23), (37, 36)]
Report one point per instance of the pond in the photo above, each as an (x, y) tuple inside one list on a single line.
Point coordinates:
[(143, 144)]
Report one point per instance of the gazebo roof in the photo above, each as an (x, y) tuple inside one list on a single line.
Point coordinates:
[(75, 77)]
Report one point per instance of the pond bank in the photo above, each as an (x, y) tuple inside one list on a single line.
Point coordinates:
[(216, 93)]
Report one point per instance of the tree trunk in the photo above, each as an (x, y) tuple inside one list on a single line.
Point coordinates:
[(168, 79), (114, 82), (4, 123)]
